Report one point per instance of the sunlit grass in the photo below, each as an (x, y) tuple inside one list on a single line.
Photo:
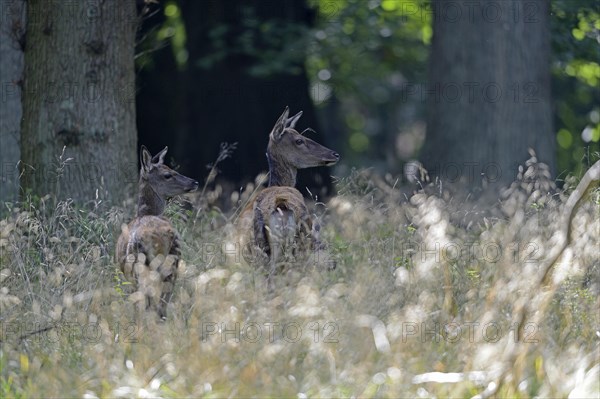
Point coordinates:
[(423, 302)]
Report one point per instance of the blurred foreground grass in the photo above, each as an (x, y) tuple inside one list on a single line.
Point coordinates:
[(434, 294)]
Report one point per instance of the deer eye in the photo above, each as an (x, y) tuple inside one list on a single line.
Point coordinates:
[(299, 141), (167, 176)]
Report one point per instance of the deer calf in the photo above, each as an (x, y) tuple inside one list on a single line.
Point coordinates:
[(277, 220), (148, 248)]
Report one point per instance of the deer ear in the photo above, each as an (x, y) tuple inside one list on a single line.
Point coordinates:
[(280, 125), (160, 157), (291, 122), (145, 159)]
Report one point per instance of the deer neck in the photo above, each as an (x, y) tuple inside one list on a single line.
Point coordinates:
[(149, 201), (280, 173)]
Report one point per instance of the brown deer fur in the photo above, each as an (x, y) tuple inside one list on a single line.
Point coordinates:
[(278, 217), (148, 248)]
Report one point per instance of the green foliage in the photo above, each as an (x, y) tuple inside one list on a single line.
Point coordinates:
[(269, 47), (174, 30), (120, 283), (362, 54), (362, 42), (171, 32), (576, 82), (8, 390)]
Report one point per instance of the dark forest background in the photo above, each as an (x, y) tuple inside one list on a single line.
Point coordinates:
[(463, 87), (222, 71)]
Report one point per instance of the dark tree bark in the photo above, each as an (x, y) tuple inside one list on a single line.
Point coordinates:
[(488, 90), (12, 35), (79, 94), (227, 102)]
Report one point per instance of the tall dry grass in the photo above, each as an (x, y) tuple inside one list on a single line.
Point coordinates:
[(434, 294)]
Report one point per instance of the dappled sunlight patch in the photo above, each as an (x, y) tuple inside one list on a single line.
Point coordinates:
[(308, 304), (7, 300)]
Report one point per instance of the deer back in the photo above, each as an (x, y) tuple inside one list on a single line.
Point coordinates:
[(281, 206), (149, 243)]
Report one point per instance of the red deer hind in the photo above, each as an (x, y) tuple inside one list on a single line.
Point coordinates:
[(277, 222), (148, 248)]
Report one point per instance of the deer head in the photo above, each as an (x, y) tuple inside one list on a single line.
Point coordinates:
[(158, 181), (289, 151)]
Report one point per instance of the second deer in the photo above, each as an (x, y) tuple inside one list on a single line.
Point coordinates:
[(148, 248), (278, 220)]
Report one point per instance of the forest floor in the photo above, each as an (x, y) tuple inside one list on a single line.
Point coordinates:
[(433, 295)]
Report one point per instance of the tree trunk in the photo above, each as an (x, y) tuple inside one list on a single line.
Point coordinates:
[(489, 90), (12, 31), (79, 94)]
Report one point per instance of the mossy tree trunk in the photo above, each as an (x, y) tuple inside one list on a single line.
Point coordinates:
[(489, 90), (79, 94), (12, 34)]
